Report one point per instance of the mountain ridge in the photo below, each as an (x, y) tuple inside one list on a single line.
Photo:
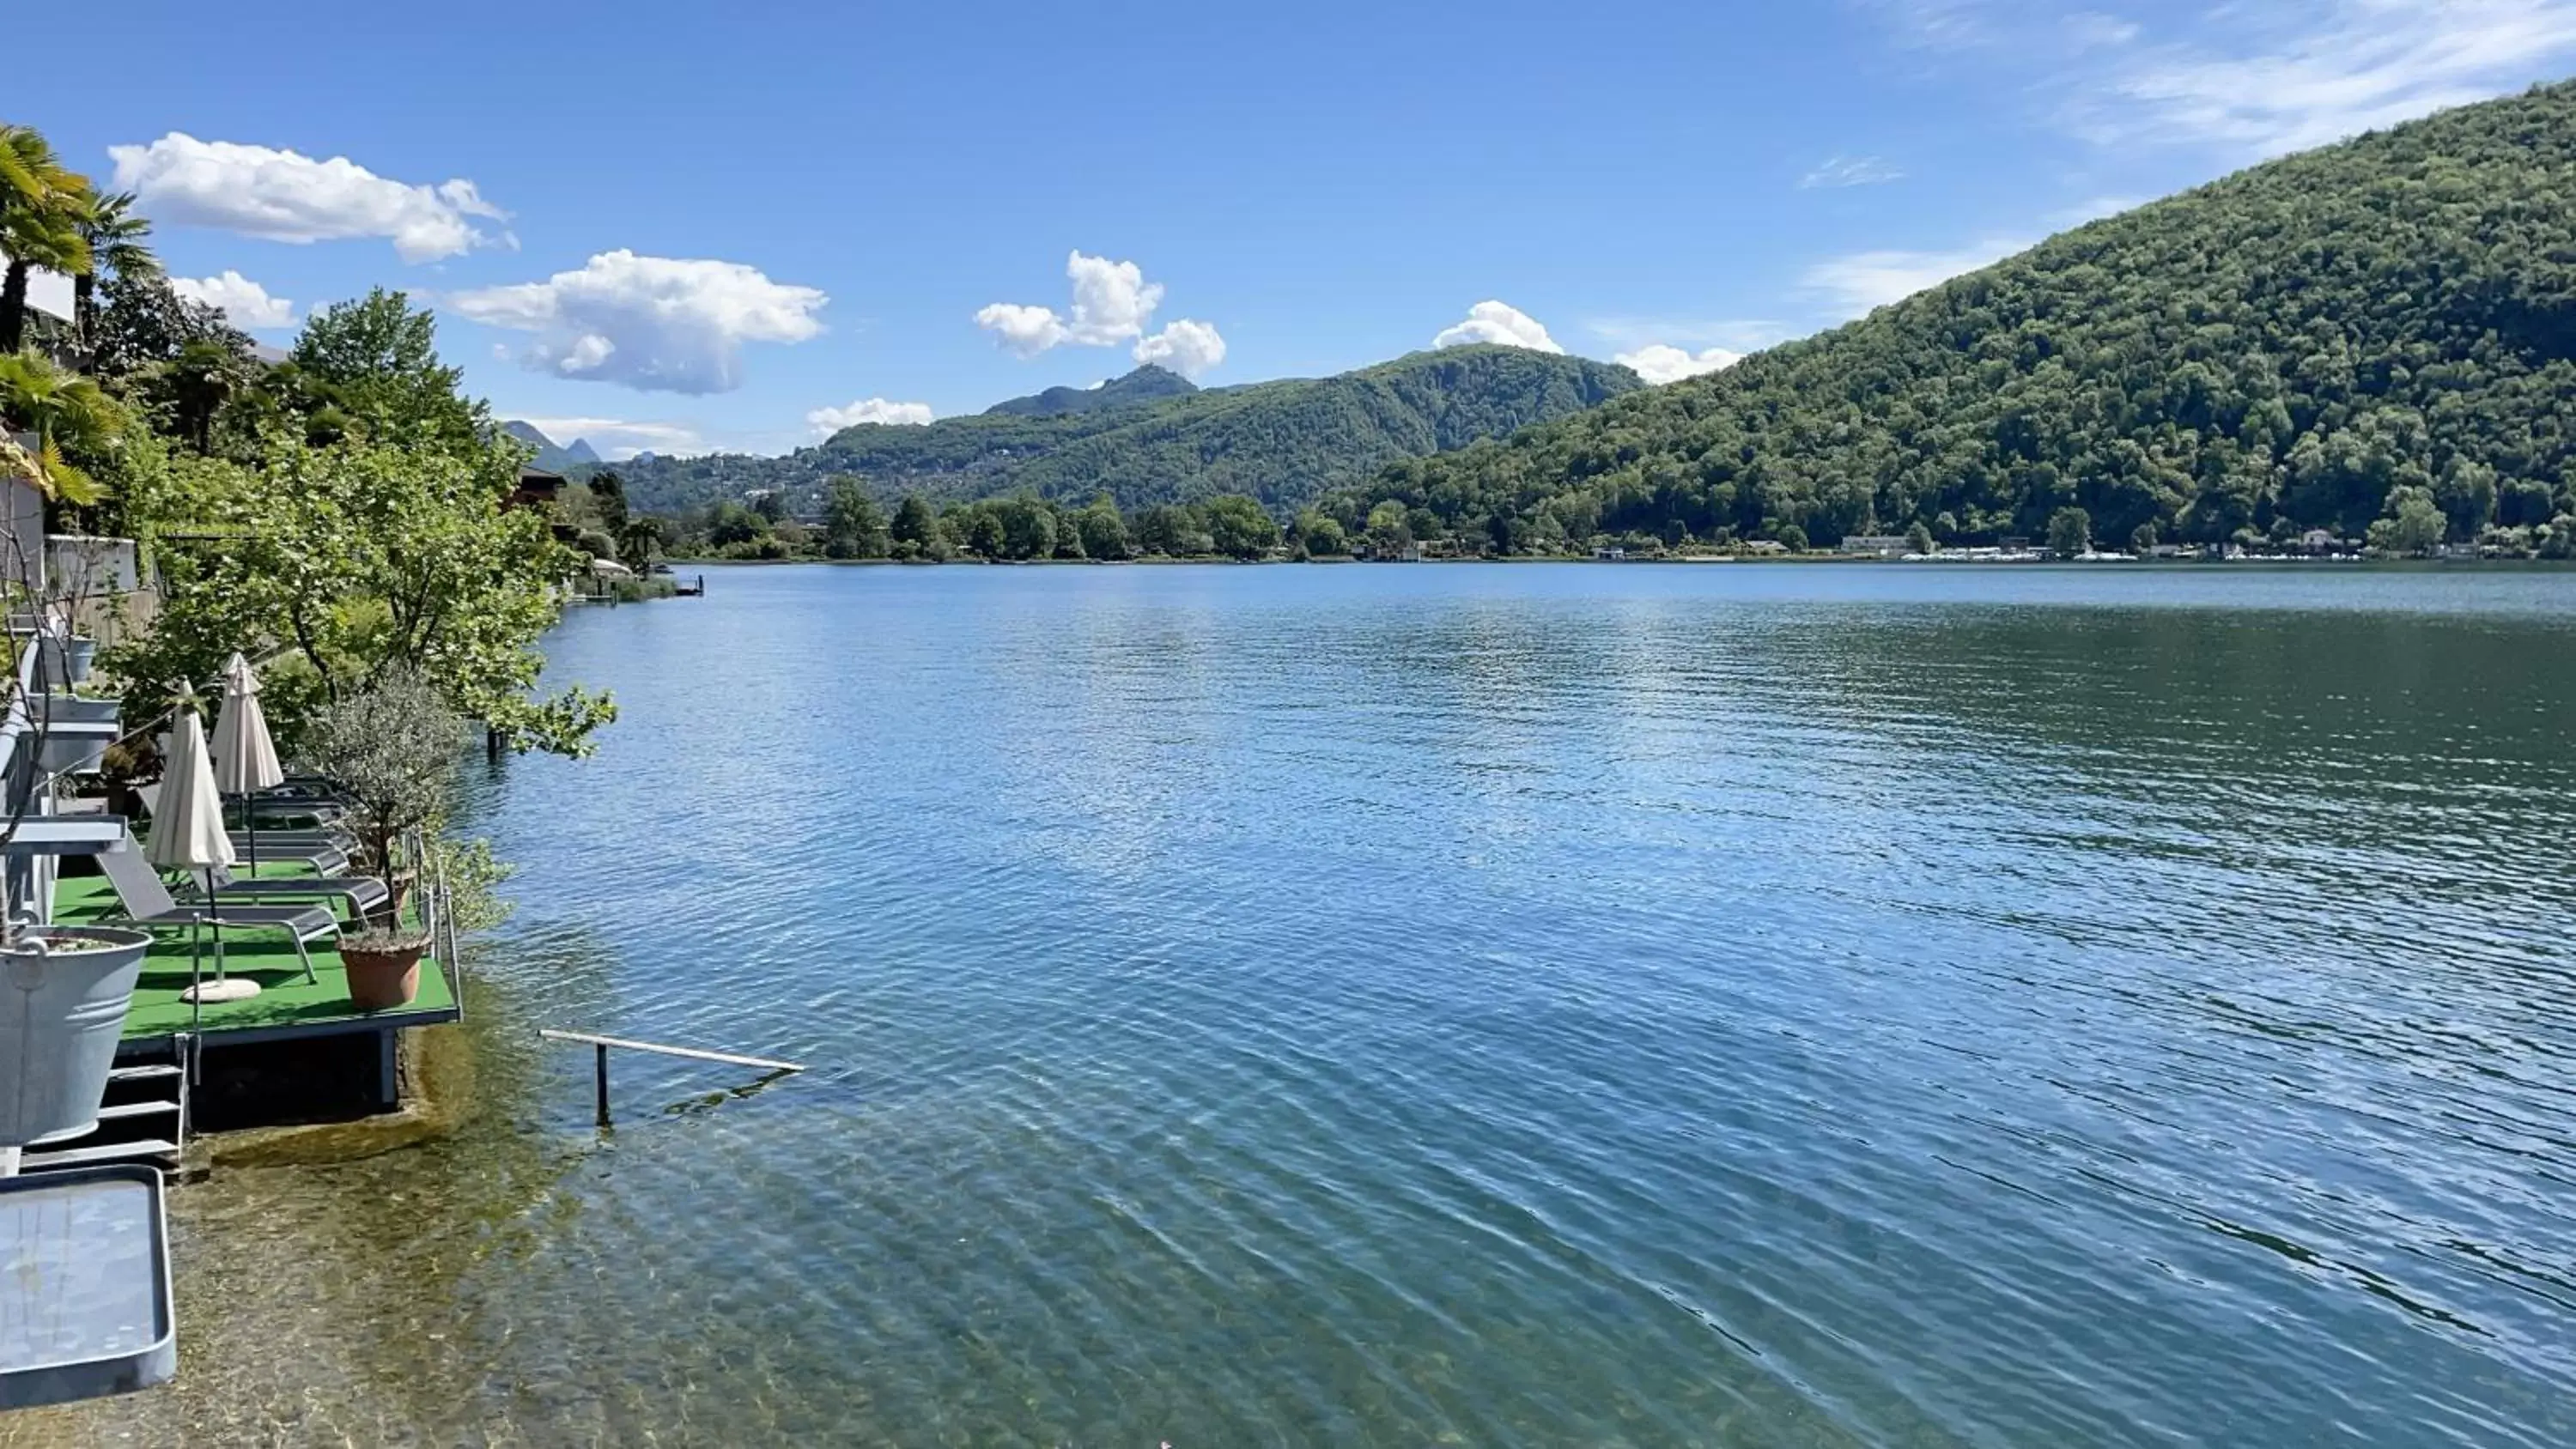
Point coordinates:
[(550, 456), (1283, 442), (1145, 384), (2382, 331)]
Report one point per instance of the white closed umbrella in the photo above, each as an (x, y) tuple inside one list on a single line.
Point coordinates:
[(245, 758), (188, 829)]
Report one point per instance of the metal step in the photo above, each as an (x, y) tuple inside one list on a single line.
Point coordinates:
[(121, 1110), (153, 1152), (159, 1072)]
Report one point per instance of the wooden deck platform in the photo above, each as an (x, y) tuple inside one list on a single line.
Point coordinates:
[(287, 1006)]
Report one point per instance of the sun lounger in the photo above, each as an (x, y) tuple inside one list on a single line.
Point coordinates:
[(148, 903), (324, 850), (363, 892)]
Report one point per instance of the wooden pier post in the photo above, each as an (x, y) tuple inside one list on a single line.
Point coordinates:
[(603, 1084)]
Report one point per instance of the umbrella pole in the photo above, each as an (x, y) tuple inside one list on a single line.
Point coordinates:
[(215, 920)]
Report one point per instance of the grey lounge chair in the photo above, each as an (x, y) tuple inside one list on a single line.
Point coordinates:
[(324, 851), (363, 892), (148, 903)]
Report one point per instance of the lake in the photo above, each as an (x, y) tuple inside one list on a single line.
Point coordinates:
[(1510, 1004)]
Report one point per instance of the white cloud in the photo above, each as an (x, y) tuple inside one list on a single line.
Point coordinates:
[(1112, 302), (243, 302), (2251, 80), (618, 439), (1497, 322), (657, 324), (827, 421), (1185, 346), (1841, 171), (1856, 284), (1659, 363), (284, 196), (2262, 80), (1025, 331)]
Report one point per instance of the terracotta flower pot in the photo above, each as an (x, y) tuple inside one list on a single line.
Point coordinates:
[(383, 978)]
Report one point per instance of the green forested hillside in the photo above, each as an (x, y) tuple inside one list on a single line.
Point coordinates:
[(1143, 385), (2322, 341), (1281, 442)]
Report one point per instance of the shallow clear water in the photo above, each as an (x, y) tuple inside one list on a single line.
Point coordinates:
[(1492, 1004)]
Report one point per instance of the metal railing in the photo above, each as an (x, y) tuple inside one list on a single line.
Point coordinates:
[(695, 1054)]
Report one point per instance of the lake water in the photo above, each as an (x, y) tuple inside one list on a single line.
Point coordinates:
[(1535, 1005)]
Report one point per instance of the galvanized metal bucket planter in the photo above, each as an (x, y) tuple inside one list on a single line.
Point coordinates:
[(66, 662), (62, 1012)]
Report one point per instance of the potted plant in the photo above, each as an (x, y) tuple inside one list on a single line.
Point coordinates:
[(391, 749), (63, 990)]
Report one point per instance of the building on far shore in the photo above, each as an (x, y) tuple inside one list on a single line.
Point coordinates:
[(1875, 545)]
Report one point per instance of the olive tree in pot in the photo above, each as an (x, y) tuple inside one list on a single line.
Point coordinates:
[(63, 990), (391, 749)]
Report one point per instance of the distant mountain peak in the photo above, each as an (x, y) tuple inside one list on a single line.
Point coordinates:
[(1145, 384), (550, 457)]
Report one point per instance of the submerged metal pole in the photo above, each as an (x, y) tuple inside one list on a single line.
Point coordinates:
[(603, 1083)]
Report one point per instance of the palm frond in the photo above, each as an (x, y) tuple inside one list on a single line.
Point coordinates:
[(65, 482)]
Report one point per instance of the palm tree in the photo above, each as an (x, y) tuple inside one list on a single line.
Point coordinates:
[(41, 204), (637, 540), (68, 413), (114, 235), (198, 382)]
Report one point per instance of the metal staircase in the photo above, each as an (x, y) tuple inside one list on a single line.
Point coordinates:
[(144, 1121)]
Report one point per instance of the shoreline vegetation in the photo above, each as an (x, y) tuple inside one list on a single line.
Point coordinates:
[(852, 528)]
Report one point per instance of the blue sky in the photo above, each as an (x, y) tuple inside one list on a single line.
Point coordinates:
[(686, 227)]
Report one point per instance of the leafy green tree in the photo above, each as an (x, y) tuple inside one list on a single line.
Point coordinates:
[(1239, 525), (984, 537), (1388, 530), (364, 559), (771, 505), (1918, 539), (732, 525), (141, 324), (1321, 534), (2143, 540), (608, 491), (853, 526), (914, 522), (1027, 527), (376, 359), (1103, 532), (1174, 531), (2413, 525), (2070, 532), (1789, 536)]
